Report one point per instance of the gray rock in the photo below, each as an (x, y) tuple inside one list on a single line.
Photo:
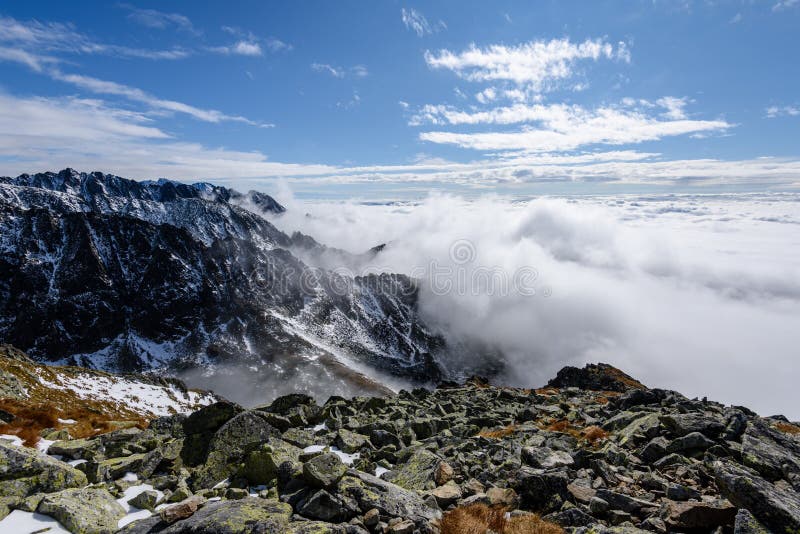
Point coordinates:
[(324, 471), (693, 441), (773, 454), (263, 516), (146, 500), (545, 458), (389, 499), (270, 460), (747, 524), (686, 423), (416, 472), (655, 449), (26, 472), (324, 506), (777, 509), (349, 442), (83, 511), (698, 515)]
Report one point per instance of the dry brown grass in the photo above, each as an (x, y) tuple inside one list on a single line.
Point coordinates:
[(499, 433), (90, 419), (547, 391), (45, 405), (593, 434), (788, 428), (478, 518)]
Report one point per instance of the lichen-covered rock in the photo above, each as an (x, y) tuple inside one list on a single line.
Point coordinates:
[(229, 445), (416, 472), (777, 509), (389, 499), (747, 524), (25, 472), (266, 463), (350, 442), (83, 511), (200, 427), (324, 471)]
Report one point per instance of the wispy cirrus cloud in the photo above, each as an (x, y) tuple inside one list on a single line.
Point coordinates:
[(160, 20), (43, 65), (536, 63), (359, 71), (416, 22), (56, 37), (782, 111)]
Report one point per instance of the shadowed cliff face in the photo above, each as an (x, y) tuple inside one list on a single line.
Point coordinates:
[(115, 274)]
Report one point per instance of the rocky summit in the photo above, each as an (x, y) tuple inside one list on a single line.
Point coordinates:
[(594, 451)]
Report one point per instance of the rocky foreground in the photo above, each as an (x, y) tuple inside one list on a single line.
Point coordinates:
[(595, 451)]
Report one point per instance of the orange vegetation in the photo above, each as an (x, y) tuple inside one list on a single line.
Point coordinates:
[(788, 428), (498, 433), (478, 518), (90, 420)]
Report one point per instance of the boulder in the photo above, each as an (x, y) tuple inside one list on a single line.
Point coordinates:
[(777, 509), (773, 454), (698, 515), (181, 510), (389, 499), (545, 458), (200, 427), (268, 462), (229, 445), (84, 510), (693, 441), (324, 471), (682, 424), (416, 472), (446, 494), (263, 516), (747, 524), (349, 442), (25, 472)]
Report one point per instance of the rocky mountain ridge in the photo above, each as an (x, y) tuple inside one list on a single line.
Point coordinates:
[(462, 458), (114, 274)]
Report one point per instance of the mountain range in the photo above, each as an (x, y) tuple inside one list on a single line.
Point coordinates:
[(121, 275)]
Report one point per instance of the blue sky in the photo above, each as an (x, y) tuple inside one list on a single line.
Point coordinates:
[(396, 99)]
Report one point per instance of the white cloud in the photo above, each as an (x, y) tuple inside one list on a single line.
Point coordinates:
[(782, 111), (653, 284), (36, 37), (537, 63), (240, 48), (736, 19), (359, 71), (785, 4), (415, 21), (336, 72), (98, 86), (561, 127), (160, 20)]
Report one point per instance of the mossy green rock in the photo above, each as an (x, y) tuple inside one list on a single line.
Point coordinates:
[(236, 517), (264, 464), (24, 472), (350, 442), (417, 472), (324, 470), (83, 511)]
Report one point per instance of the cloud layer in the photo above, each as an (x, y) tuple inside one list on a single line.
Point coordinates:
[(698, 294)]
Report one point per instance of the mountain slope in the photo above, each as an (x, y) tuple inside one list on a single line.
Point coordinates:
[(110, 273)]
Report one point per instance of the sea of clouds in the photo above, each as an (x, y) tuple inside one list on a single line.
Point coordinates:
[(697, 293)]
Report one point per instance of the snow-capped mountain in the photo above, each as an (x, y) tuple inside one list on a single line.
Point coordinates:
[(115, 274)]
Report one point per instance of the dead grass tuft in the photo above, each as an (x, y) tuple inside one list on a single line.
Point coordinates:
[(788, 428), (593, 434), (478, 518), (498, 433), (90, 420)]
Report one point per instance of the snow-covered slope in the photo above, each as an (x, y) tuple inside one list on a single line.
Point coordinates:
[(109, 273)]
